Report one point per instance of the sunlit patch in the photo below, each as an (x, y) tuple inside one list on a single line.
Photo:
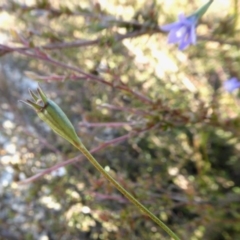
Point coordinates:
[(173, 171), (44, 237), (8, 124), (10, 148), (59, 172), (165, 63), (85, 221), (107, 168), (6, 159), (6, 176), (189, 85), (140, 57), (73, 194), (86, 210), (182, 182), (49, 202), (72, 210)]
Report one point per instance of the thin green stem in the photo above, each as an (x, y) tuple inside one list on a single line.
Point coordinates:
[(235, 11), (89, 156)]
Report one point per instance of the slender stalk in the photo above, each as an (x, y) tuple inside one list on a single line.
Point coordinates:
[(89, 156)]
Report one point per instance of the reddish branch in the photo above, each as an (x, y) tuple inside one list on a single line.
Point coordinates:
[(38, 54), (80, 157)]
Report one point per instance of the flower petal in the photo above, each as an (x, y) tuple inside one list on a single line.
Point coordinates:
[(183, 31), (184, 20), (169, 27), (193, 35), (231, 84), (185, 42), (172, 37)]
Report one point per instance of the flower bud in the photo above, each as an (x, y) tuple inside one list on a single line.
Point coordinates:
[(53, 115), (201, 11)]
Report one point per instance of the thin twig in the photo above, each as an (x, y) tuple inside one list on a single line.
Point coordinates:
[(126, 109), (108, 124), (80, 157), (42, 56)]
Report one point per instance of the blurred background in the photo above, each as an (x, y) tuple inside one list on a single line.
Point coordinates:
[(161, 121)]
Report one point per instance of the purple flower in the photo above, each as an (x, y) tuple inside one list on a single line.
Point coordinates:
[(183, 31), (231, 84)]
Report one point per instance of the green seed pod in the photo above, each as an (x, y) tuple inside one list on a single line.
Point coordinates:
[(53, 115)]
